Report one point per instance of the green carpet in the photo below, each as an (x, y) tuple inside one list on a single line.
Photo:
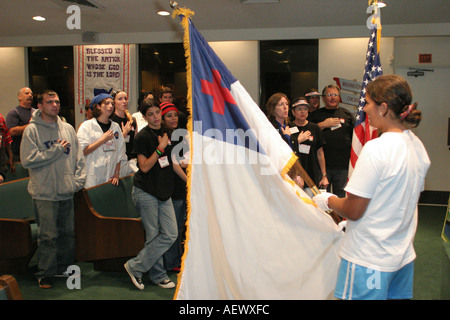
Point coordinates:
[(97, 285), (429, 250)]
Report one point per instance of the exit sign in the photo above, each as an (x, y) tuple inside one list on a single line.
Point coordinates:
[(424, 57)]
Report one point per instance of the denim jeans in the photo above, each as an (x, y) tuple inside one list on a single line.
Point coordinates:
[(56, 236), (160, 225), (172, 258)]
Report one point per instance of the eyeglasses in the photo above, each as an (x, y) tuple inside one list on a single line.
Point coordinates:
[(329, 95)]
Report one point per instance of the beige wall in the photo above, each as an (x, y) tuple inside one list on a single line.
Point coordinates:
[(13, 76), (430, 91)]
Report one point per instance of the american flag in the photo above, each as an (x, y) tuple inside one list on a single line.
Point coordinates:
[(363, 132)]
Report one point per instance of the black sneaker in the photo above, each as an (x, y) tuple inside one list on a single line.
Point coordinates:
[(136, 281), (166, 284), (45, 283)]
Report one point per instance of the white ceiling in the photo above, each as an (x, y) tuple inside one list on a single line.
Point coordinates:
[(136, 16)]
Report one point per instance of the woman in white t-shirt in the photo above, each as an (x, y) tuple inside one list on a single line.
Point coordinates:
[(377, 251)]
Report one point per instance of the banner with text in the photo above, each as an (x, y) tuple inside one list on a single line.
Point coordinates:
[(101, 68)]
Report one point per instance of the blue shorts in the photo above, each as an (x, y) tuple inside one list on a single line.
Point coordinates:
[(361, 283)]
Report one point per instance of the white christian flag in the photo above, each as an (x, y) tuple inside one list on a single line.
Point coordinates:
[(251, 232)]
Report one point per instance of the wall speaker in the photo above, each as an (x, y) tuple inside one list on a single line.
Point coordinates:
[(90, 36)]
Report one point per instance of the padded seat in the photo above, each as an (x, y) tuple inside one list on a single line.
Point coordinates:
[(18, 230), (112, 201), (20, 173), (107, 228)]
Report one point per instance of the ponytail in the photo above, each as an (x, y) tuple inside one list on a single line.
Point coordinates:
[(129, 117), (411, 115)]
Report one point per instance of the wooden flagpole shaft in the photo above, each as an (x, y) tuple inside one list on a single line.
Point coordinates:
[(305, 176)]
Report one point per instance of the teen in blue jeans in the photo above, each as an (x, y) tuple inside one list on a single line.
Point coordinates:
[(152, 191), (158, 220), (51, 152)]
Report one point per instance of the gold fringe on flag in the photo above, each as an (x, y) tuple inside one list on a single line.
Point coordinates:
[(185, 16)]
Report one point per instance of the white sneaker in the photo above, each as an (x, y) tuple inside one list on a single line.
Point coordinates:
[(166, 284)]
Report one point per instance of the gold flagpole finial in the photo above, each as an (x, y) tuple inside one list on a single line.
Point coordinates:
[(180, 11)]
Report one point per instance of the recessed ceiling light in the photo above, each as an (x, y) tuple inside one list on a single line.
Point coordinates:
[(163, 13), (38, 18), (259, 1)]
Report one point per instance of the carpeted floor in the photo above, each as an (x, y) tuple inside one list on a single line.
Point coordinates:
[(97, 285), (429, 250)]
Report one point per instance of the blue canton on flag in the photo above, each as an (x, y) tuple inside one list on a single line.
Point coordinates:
[(211, 82), (371, 72)]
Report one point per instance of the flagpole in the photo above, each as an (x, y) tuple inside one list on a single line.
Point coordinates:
[(297, 168), (363, 131)]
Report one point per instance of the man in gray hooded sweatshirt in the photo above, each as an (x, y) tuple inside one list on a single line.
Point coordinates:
[(51, 152)]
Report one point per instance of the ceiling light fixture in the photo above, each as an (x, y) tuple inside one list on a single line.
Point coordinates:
[(381, 4), (38, 18), (259, 1), (163, 13)]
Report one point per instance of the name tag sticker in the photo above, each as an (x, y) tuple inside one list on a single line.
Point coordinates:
[(163, 161), (109, 146), (336, 127), (304, 148)]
